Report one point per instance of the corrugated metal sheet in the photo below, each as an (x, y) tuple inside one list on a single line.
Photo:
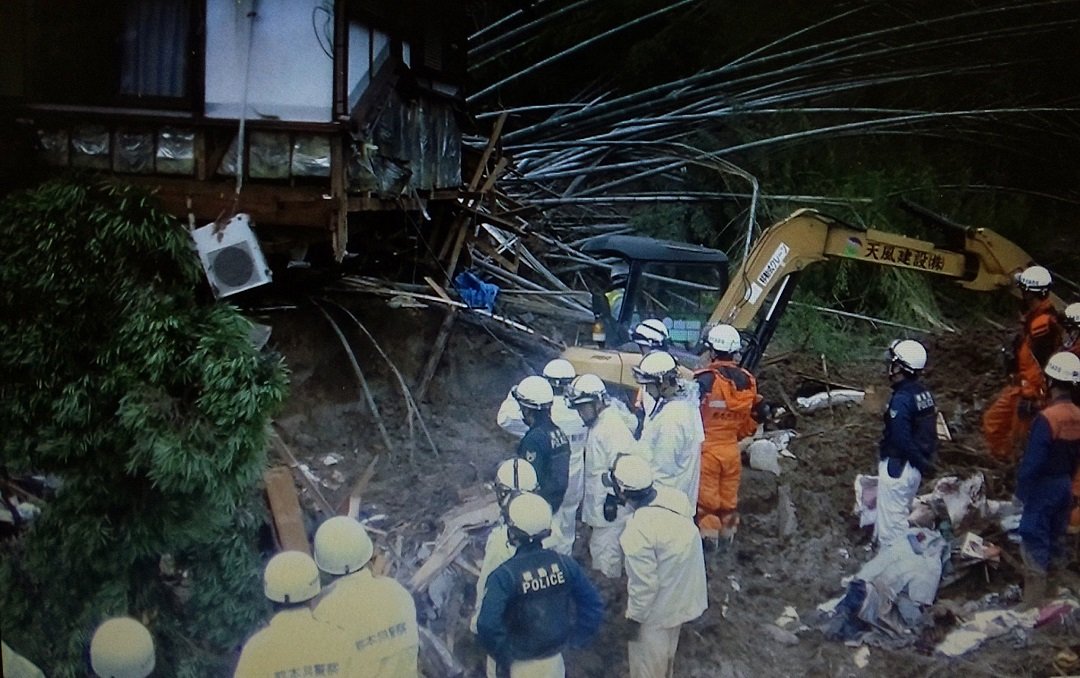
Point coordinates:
[(417, 145)]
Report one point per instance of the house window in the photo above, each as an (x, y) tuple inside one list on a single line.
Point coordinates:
[(154, 50), (108, 53)]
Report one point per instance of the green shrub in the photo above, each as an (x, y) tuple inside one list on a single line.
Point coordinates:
[(151, 408)]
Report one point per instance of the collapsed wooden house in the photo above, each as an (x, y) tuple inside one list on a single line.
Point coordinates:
[(325, 120)]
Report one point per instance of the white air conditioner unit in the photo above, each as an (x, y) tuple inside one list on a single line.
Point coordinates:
[(231, 256)]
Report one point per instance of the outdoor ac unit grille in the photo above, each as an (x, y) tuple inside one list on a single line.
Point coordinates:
[(233, 266), (231, 256)]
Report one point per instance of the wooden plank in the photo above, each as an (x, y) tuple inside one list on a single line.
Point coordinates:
[(481, 165), (489, 249), (352, 502), (284, 503), (443, 555), (290, 459), (435, 658), (437, 349)]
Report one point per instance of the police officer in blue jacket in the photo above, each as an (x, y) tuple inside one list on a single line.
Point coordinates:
[(545, 446), (525, 618), (907, 447)]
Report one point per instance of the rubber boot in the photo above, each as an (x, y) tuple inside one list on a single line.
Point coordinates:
[(1034, 589), (1034, 581)]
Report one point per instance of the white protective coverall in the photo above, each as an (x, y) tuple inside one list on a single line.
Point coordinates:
[(379, 616), (497, 551), (671, 441), (894, 497), (295, 643), (564, 523), (607, 437), (665, 570)]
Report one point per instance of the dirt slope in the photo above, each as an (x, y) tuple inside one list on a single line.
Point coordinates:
[(750, 585)]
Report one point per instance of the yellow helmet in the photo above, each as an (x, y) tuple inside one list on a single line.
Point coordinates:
[(342, 546), (122, 648), (291, 577)]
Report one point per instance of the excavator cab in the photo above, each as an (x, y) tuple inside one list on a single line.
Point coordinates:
[(676, 282)]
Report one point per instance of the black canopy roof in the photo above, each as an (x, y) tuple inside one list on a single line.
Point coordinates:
[(651, 249)]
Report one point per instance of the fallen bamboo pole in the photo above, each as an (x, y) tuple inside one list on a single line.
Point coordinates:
[(365, 389)]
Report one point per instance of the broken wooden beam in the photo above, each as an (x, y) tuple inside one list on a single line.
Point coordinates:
[(435, 658), (437, 349), (287, 518)]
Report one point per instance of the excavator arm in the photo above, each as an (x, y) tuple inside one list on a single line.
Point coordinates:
[(980, 260)]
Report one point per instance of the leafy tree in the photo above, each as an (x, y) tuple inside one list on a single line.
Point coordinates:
[(151, 409)]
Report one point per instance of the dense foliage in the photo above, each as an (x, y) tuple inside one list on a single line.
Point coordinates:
[(151, 408)]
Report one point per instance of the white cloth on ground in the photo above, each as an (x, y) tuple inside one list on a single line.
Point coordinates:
[(910, 564), (894, 497)]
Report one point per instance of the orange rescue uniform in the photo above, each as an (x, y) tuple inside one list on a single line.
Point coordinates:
[(728, 396), (1003, 426)]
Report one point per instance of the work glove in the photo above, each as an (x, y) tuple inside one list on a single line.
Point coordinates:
[(1027, 408)]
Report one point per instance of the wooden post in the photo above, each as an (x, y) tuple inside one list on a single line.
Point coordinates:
[(437, 350)]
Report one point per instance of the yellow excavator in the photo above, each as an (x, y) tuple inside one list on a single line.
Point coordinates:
[(688, 286)]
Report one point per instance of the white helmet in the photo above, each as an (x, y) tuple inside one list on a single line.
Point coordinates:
[(529, 515), (534, 393), (588, 388), (342, 546), (651, 333), (1034, 279), (631, 473), (1064, 367), (516, 475), (559, 372), (1072, 315), (724, 339), (122, 648), (655, 367), (908, 354), (291, 577)]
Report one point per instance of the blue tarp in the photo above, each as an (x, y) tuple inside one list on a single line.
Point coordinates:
[(475, 292)]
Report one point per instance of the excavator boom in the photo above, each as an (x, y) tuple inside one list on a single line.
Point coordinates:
[(981, 260)]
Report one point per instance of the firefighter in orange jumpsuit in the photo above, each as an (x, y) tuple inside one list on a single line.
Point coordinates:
[(1006, 422), (728, 399)]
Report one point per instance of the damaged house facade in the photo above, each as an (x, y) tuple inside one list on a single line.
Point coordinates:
[(325, 120)]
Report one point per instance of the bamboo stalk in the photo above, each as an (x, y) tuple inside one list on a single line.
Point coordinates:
[(368, 397)]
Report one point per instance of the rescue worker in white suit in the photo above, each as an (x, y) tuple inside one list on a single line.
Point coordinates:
[(295, 643), (608, 435), (511, 478), (377, 613), (665, 566), (559, 373), (672, 433), (120, 648)]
